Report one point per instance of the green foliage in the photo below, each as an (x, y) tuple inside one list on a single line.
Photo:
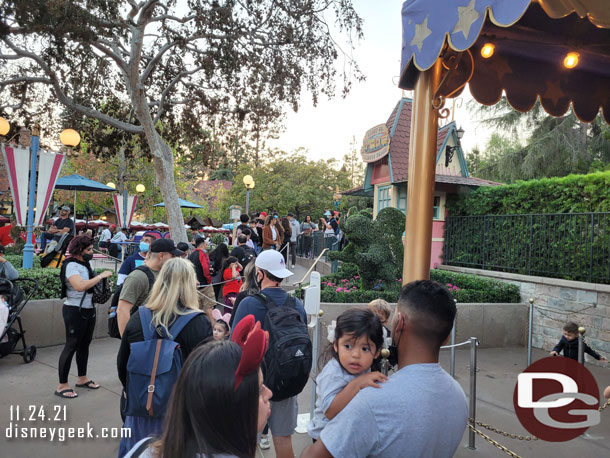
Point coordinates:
[(49, 284), (217, 239), (337, 288), (375, 246), (473, 289), (17, 260), (571, 194), (291, 183), (555, 147)]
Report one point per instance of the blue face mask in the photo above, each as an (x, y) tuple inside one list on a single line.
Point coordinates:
[(144, 247)]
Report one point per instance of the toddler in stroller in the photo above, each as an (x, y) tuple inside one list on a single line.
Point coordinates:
[(12, 302)]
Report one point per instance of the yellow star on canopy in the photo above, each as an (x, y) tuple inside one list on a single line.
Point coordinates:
[(553, 91), (467, 16), (421, 33)]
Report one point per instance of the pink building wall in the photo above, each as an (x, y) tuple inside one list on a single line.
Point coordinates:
[(438, 232)]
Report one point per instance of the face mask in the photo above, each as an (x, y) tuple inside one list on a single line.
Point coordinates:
[(144, 247), (87, 257)]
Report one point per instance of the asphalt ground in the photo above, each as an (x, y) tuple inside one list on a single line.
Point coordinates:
[(27, 400)]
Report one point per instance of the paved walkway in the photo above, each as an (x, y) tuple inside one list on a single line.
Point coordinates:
[(30, 387)]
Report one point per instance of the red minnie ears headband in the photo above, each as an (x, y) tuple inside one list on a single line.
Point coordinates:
[(253, 342)]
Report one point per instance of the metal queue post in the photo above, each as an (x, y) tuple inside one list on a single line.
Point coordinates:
[(473, 342), (581, 345), (312, 308), (530, 332)]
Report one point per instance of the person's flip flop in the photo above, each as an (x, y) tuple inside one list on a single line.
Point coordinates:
[(62, 393), (89, 385)]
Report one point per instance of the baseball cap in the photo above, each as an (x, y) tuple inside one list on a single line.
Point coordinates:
[(167, 246), (66, 208), (273, 262), (263, 214), (290, 214), (199, 240), (183, 246), (327, 213)]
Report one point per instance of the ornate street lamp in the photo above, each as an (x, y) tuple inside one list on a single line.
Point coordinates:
[(70, 138), (249, 183)]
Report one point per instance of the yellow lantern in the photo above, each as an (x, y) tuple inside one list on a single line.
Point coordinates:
[(4, 126), (69, 137), (571, 60), (487, 50), (110, 184), (248, 180), (140, 188)]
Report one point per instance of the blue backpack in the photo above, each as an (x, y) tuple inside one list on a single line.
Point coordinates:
[(153, 367)]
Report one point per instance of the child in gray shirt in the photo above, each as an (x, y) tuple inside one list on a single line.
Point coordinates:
[(358, 341)]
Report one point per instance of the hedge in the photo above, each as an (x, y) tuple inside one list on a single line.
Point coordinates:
[(49, 285), (464, 288), (570, 194)]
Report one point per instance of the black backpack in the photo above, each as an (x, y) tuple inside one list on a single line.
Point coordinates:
[(288, 359), (113, 325)]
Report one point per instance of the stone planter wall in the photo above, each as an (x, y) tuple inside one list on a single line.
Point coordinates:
[(44, 325), (495, 325), (557, 301)]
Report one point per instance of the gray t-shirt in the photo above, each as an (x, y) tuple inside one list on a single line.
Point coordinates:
[(73, 297), (419, 412), (329, 384)]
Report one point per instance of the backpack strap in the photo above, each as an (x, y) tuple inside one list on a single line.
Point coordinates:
[(146, 321), (181, 322), (290, 301), (266, 300), (149, 275)]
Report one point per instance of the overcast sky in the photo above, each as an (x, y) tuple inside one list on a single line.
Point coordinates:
[(327, 130)]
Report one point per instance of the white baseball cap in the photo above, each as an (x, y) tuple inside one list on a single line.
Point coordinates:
[(273, 262)]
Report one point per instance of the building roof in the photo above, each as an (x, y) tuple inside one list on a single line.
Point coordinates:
[(465, 181), (400, 131)]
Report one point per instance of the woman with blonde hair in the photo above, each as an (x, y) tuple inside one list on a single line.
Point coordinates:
[(173, 295)]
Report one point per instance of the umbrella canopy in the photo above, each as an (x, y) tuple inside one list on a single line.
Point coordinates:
[(554, 51), (527, 44), (183, 204), (80, 183)]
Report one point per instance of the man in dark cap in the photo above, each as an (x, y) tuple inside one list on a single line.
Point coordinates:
[(139, 282)]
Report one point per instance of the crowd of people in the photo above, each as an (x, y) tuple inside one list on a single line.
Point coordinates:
[(214, 352), (217, 357)]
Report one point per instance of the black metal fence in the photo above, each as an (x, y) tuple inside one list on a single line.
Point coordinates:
[(574, 246), (317, 242)]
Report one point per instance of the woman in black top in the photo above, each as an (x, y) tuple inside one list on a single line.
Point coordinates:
[(217, 260)]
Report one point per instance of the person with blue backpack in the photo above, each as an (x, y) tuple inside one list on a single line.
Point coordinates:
[(288, 360), (220, 402), (156, 341)]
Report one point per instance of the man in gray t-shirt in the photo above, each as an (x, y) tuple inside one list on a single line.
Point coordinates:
[(420, 411)]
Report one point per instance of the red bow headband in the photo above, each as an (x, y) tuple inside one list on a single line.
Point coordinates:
[(253, 342)]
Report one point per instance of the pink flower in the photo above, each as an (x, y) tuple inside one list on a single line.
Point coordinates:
[(357, 277), (339, 290), (449, 285)]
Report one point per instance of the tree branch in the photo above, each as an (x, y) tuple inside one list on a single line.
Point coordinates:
[(53, 81)]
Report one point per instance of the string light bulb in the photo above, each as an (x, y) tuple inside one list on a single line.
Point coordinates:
[(571, 60), (487, 50)]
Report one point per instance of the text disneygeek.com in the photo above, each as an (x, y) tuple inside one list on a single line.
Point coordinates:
[(39, 422)]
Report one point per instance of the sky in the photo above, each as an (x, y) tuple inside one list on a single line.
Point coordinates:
[(328, 129)]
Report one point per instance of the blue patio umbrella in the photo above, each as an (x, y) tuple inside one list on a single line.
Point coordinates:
[(183, 204), (80, 183)]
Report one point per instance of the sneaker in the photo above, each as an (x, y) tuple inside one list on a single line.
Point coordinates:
[(264, 443), (293, 266)]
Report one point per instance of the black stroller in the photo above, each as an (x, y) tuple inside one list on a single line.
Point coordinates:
[(18, 293)]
